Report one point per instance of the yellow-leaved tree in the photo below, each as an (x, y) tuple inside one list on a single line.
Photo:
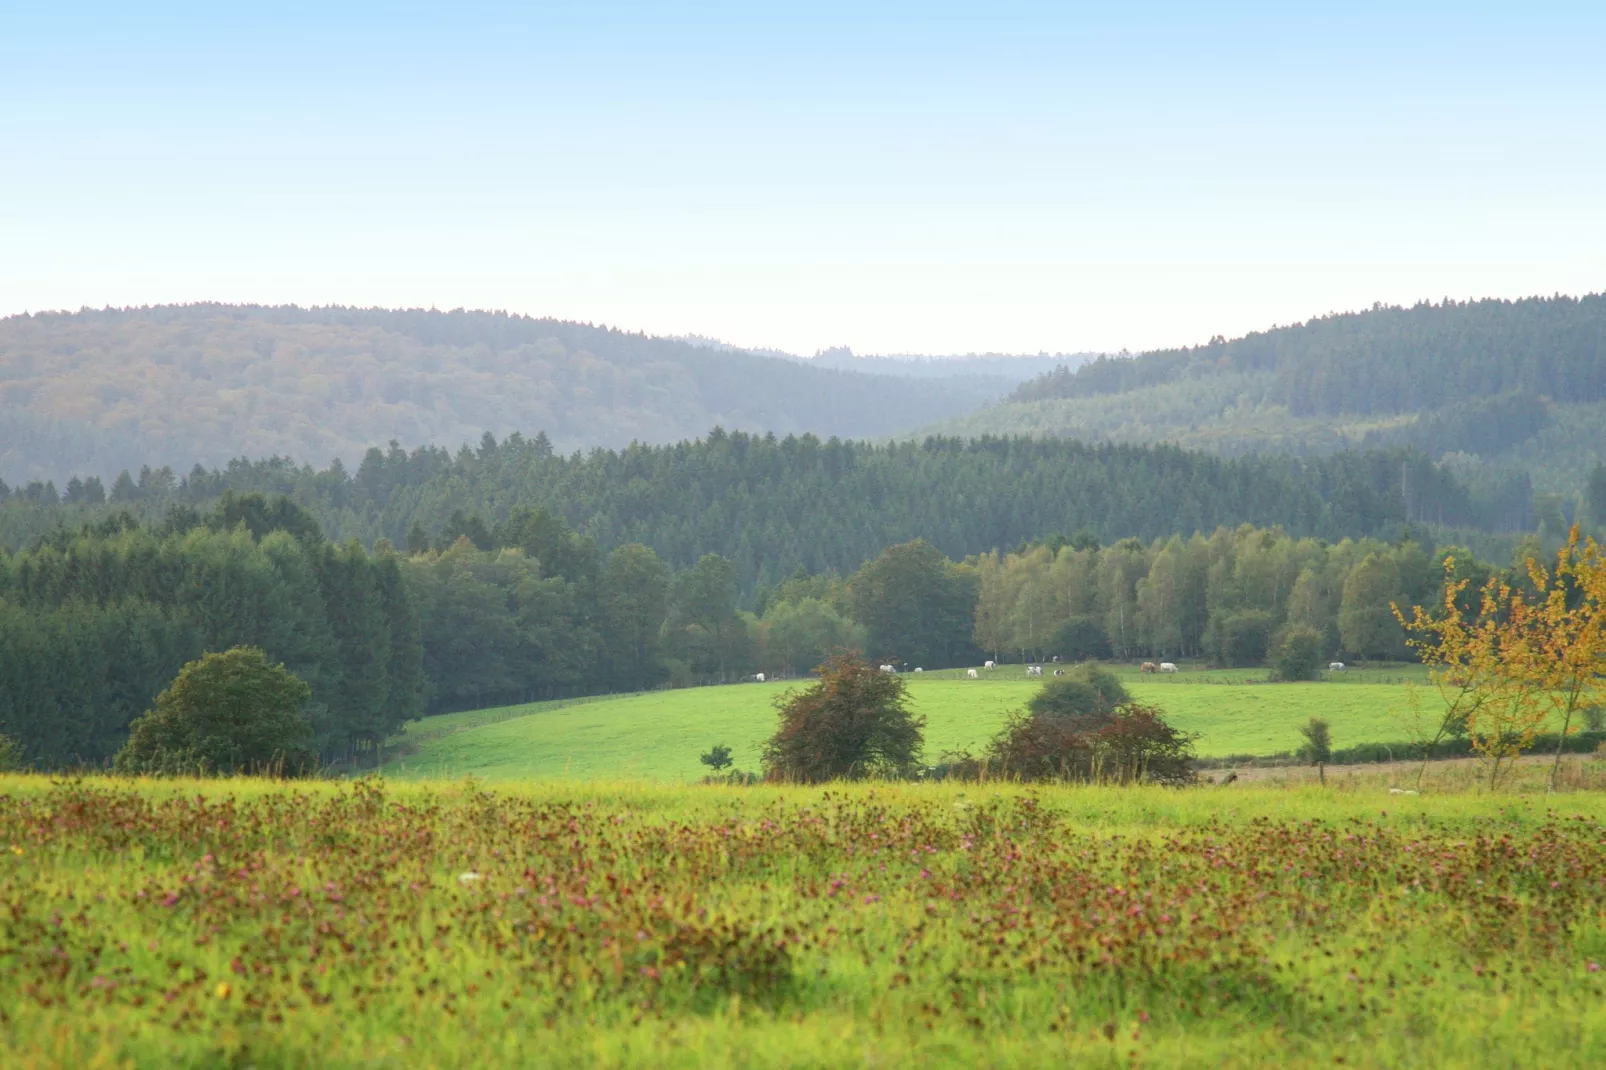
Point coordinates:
[(1517, 660), (1567, 644)]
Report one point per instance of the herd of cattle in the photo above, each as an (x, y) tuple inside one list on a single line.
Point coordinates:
[(1037, 670)]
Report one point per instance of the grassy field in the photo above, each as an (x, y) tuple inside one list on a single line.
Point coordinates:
[(239, 923), (658, 735)]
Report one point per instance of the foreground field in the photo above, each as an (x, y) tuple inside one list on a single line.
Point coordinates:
[(657, 735), (248, 924)]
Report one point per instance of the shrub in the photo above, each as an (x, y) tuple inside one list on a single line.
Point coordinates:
[(854, 722), (12, 758), (1124, 745), (1298, 656), (224, 713), (1086, 727), (1087, 692)]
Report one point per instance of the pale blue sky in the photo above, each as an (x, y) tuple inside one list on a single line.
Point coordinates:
[(895, 177)]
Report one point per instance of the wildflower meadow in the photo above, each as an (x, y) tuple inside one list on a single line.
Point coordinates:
[(248, 923)]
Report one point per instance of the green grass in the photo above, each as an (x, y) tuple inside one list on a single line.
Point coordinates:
[(658, 735), (556, 924)]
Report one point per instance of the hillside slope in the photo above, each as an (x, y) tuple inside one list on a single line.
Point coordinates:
[(1490, 387), (95, 392)]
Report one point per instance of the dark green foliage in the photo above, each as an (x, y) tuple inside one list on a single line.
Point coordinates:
[(717, 758), (1242, 638), (853, 722), (94, 625), (1080, 638), (261, 514), (1298, 656), (12, 756), (705, 631), (548, 539), (918, 606), (1086, 695), (471, 528), (224, 713), (771, 506)]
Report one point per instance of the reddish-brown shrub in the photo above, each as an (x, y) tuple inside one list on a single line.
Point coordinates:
[(1123, 745), (853, 722)]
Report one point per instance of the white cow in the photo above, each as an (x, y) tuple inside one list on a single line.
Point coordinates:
[(919, 669), (888, 668), (1168, 666), (989, 665), (1335, 666), (1034, 670), (759, 677), (973, 674)]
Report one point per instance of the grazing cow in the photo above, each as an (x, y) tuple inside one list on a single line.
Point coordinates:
[(1034, 670), (1166, 666), (759, 677), (917, 669), (1229, 778), (1148, 666), (972, 674), (888, 668), (1335, 666), (1059, 672), (989, 665), (1056, 659)]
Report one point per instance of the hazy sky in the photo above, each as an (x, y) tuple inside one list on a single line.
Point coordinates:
[(895, 177)]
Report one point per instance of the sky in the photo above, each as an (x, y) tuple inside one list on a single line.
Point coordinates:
[(898, 178)]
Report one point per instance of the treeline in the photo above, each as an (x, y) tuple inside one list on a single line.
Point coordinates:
[(1227, 596), (1385, 360), (772, 506), (94, 624)]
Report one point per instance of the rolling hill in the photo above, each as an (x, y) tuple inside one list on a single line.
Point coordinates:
[(1488, 388), (94, 392)]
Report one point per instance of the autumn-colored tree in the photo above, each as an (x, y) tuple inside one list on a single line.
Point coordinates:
[(1455, 645), (1566, 644), (853, 722), (1523, 658)]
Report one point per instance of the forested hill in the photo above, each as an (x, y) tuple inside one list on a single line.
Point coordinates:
[(95, 392), (1490, 387), (775, 505), (1386, 360)]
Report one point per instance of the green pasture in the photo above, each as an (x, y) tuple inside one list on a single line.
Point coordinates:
[(658, 735)]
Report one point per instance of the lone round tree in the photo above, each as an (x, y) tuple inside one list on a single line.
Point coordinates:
[(224, 713), (854, 722)]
